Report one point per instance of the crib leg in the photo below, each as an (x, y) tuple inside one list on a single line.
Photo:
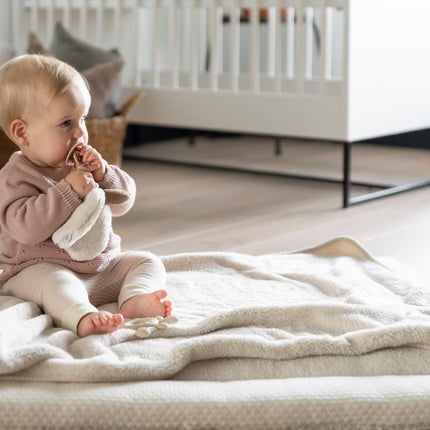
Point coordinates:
[(278, 145), (384, 191), (346, 173), (192, 138)]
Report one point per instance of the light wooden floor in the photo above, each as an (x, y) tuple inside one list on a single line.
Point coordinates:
[(183, 209)]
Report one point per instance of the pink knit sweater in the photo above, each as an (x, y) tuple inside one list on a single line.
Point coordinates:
[(33, 206)]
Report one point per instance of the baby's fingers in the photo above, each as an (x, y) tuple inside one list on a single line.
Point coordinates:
[(90, 155), (89, 167)]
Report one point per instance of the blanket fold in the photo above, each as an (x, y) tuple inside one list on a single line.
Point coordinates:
[(330, 310)]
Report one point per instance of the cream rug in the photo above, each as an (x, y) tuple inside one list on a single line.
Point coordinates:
[(329, 310)]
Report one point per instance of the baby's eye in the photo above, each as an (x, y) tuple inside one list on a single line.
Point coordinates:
[(66, 123)]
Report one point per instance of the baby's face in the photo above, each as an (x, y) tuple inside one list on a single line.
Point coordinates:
[(52, 129)]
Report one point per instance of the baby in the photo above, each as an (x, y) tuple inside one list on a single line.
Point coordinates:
[(43, 105)]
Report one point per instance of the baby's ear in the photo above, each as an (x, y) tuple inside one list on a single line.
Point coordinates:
[(18, 130)]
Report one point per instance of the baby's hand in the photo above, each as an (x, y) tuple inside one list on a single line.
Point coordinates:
[(81, 181), (93, 162)]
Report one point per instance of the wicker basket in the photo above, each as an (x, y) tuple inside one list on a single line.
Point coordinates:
[(106, 135), (7, 148)]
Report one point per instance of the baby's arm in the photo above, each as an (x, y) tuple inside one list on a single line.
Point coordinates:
[(31, 215)]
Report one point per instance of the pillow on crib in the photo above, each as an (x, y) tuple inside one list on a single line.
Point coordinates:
[(82, 56), (101, 78), (6, 52), (79, 53)]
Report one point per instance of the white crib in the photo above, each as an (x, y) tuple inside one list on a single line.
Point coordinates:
[(337, 70)]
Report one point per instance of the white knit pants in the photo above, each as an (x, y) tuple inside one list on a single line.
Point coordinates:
[(68, 296)]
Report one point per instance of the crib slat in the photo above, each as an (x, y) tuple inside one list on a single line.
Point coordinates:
[(136, 12), (50, 19), (214, 70), (277, 77), (155, 44), (329, 42), (185, 35), (34, 16), (173, 68), (325, 44), (300, 50), (17, 24), (82, 20), (255, 49), (116, 30), (309, 42), (193, 47), (66, 14), (219, 13), (234, 46), (271, 30), (290, 42), (99, 21)]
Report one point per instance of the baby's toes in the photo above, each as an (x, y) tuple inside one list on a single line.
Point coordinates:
[(117, 319), (160, 294), (167, 308), (99, 319)]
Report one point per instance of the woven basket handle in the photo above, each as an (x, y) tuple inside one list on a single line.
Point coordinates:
[(133, 100)]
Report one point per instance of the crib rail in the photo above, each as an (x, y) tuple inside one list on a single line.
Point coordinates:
[(278, 46)]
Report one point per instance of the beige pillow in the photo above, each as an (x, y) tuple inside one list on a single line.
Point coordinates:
[(82, 55), (101, 78)]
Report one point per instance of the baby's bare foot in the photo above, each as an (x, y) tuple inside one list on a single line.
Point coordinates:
[(147, 305), (99, 323)]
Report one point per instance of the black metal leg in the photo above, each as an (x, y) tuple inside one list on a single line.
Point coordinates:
[(346, 173), (192, 138), (278, 145)]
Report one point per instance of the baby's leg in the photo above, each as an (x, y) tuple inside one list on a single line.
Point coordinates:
[(143, 294), (60, 293)]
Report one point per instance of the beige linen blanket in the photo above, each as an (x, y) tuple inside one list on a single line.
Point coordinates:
[(330, 310)]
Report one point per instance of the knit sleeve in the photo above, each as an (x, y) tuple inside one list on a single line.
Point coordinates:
[(115, 178), (31, 207)]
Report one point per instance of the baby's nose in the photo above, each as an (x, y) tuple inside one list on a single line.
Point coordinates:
[(78, 132)]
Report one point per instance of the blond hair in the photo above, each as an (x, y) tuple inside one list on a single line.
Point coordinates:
[(29, 78)]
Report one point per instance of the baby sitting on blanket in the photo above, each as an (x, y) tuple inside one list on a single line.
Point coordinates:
[(57, 246)]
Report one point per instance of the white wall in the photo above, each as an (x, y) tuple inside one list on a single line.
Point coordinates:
[(389, 67), (5, 20)]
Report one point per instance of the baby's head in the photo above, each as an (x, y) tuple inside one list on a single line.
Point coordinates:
[(28, 80), (42, 101)]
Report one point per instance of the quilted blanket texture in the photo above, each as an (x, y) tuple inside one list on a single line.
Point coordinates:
[(330, 310)]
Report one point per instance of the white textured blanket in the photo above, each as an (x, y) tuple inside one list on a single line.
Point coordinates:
[(330, 310)]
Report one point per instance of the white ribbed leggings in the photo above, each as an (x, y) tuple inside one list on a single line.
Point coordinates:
[(68, 296)]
